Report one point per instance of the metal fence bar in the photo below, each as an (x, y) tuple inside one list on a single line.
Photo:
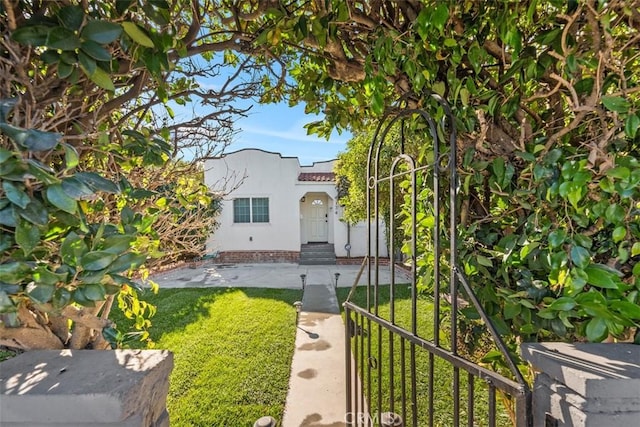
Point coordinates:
[(492, 405), (520, 392), (431, 389), (347, 337), (456, 396), (510, 386), (368, 360), (403, 373), (392, 365), (380, 375), (492, 330), (414, 386), (362, 364), (470, 400), (524, 417), (379, 363)]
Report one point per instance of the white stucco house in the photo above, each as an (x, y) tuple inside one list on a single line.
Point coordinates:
[(272, 206)]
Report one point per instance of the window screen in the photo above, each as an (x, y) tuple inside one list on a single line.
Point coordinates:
[(241, 210), (255, 209), (260, 209)]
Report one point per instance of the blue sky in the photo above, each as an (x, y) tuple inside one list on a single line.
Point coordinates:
[(272, 127), (280, 128)]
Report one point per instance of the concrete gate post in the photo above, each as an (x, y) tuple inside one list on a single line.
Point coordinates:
[(585, 385), (85, 388)]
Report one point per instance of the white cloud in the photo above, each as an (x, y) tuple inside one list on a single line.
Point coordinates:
[(294, 133)]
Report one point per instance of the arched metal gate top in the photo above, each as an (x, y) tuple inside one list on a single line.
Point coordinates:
[(378, 378)]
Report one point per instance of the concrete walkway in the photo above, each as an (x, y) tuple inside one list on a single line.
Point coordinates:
[(317, 395)]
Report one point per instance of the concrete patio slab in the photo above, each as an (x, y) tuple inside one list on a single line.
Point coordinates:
[(276, 275)]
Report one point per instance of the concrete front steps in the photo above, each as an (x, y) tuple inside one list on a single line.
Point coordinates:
[(317, 254)]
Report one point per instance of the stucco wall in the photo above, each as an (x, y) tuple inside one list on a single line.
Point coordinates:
[(357, 238), (257, 173), (265, 175), (326, 166)]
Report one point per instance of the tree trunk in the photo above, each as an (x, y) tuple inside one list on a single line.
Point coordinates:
[(31, 335)]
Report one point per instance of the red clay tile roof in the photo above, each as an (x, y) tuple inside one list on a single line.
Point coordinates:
[(317, 176)]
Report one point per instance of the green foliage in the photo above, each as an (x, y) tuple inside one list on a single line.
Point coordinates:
[(545, 98), (58, 247), (238, 342), (90, 194), (185, 211), (556, 258), (73, 40), (553, 258), (6, 354), (352, 168), (53, 255)]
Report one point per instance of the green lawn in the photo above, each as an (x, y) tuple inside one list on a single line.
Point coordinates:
[(6, 354), (443, 372), (232, 349)]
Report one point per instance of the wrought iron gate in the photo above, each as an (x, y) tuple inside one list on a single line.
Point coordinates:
[(407, 364)]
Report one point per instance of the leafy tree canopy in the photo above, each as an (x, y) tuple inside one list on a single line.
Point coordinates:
[(545, 96), (90, 141)]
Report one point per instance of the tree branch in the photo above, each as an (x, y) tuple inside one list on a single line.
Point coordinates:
[(136, 89)]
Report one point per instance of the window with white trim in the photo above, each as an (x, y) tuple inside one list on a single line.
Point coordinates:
[(250, 209)]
